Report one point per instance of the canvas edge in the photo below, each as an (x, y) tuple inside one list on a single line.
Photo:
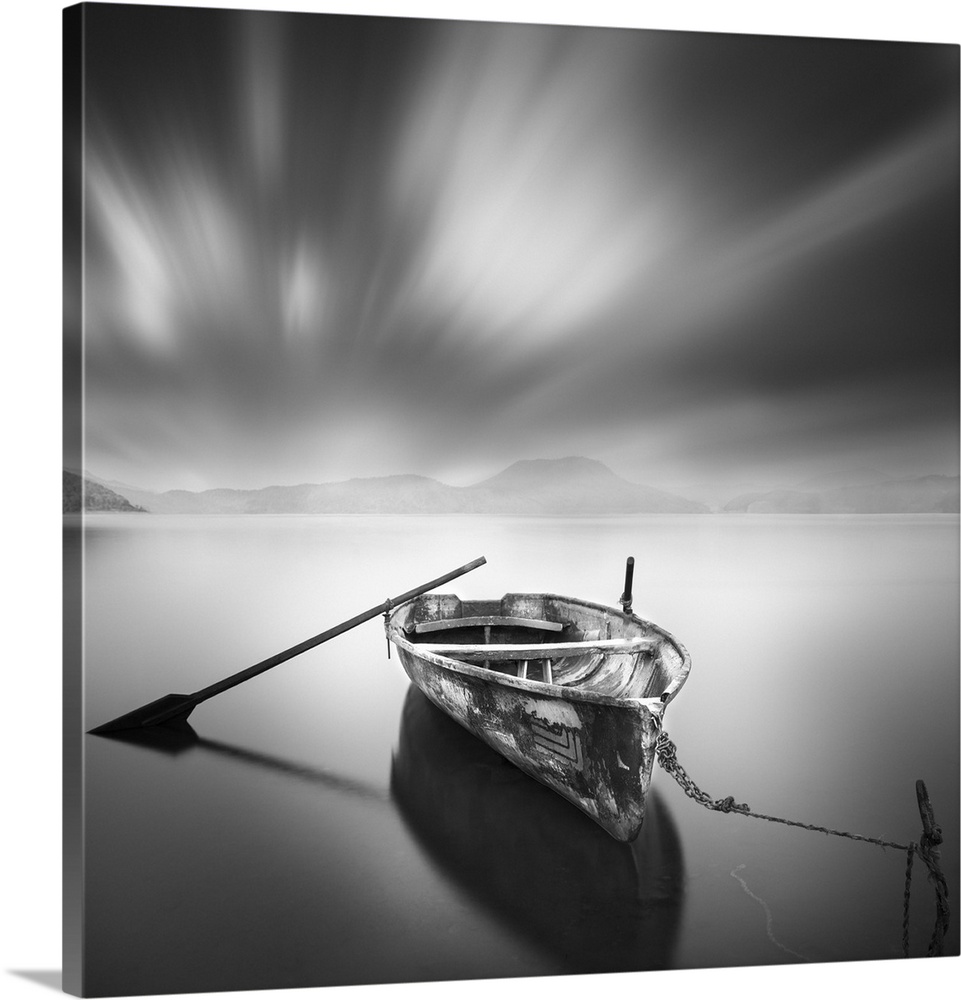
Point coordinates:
[(72, 443)]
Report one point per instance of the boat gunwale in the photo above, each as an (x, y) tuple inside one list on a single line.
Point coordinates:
[(655, 705)]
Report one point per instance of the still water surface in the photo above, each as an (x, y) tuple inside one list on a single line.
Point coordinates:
[(327, 826)]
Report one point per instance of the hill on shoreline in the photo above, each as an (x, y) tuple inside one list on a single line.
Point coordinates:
[(84, 494)]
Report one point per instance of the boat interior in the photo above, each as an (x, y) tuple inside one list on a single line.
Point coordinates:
[(547, 639)]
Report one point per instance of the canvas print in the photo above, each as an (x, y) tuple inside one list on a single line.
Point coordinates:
[(510, 496)]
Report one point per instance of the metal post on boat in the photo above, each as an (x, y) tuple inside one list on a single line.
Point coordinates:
[(627, 598)]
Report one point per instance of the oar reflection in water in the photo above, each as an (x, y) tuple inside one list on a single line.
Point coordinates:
[(541, 868), (183, 738)]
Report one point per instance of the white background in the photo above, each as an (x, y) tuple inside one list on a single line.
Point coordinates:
[(30, 39)]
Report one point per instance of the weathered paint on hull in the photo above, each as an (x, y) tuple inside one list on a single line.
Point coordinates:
[(596, 755)]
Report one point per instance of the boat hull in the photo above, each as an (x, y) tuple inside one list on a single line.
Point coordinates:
[(597, 755)]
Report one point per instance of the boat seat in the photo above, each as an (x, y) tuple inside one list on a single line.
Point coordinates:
[(449, 623), (538, 651)]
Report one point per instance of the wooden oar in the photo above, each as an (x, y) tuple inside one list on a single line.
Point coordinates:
[(176, 707)]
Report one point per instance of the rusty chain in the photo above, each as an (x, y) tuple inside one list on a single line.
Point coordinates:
[(928, 849)]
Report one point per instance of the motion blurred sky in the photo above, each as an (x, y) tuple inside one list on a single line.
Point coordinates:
[(323, 246)]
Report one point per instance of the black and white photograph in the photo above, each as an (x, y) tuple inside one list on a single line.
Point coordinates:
[(510, 501)]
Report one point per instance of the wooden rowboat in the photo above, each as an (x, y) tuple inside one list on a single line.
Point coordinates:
[(569, 691)]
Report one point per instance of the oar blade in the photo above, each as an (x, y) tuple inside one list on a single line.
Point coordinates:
[(171, 739), (169, 710)]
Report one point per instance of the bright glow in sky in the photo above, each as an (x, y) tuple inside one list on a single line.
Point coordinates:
[(323, 246)]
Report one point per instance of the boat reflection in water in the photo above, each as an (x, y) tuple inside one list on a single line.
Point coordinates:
[(540, 866)]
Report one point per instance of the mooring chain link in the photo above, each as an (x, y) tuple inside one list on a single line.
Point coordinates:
[(666, 753), (928, 849)]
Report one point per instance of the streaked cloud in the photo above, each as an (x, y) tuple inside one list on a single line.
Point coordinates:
[(323, 246), (537, 211)]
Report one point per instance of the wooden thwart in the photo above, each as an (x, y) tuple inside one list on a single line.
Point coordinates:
[(487, 620), (537, 651)]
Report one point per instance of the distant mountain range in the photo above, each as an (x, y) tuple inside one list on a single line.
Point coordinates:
[(922, 495), (538, 487), (569, 486)]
